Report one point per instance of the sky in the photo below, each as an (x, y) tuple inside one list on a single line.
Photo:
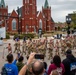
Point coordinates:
[(60, 8)]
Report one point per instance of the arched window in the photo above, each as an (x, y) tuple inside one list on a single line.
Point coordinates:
[(40, 23), (27, 28), (14, 24), (34, 28), (25, 1)]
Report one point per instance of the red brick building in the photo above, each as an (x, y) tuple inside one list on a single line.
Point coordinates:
[(30, 20), (3, 11)]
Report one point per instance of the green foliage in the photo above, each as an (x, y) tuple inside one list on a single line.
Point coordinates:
[(7, 36), (21, 36)]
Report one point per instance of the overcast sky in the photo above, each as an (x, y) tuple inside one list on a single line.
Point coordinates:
[(60, 8)]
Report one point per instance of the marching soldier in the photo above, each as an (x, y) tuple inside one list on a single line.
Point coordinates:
[(24, 47), (51, 46), (16, 46)]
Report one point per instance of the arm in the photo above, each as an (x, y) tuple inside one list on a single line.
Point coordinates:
[(14, 62), (16, 71), (23, 70), (49, 70)]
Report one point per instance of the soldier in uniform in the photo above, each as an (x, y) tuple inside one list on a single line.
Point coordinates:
[(51, 46), (16, 46), (24, 47), (57, 46)]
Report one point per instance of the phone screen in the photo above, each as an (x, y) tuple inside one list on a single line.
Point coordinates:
[(39, 56), (18, 55)]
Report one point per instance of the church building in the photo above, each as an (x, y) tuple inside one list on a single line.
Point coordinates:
[(26, 18)]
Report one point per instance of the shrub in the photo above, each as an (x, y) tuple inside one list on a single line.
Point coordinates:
[(21, 36), (7, 36)]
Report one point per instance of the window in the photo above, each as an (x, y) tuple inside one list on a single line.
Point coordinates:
[(40, 23), (13, 24), (27, 28), (33, 1), (25, 1)]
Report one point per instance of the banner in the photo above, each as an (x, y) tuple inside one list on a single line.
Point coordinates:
[(3, 32)]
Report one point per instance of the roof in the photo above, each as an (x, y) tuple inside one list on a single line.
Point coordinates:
[(0, 4), (20, 11), (52, 19), (46, 5), (3, 3)]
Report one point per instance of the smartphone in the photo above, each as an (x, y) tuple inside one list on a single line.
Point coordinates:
[(39, 56), (18, 55)]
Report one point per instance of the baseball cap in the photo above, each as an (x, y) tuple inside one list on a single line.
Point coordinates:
[(68, 51)]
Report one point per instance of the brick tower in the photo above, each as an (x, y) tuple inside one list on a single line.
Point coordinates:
[(3, 11), (47, 12), (29, 15)]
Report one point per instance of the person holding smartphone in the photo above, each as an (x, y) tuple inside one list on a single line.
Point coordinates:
[(37, 66)]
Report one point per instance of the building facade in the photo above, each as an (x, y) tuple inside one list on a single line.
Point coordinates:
[(27, 19)]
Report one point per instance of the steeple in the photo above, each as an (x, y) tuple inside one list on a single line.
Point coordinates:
[(46, 5), (3, 3)]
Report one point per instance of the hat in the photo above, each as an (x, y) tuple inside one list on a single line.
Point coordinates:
[(68, 51)]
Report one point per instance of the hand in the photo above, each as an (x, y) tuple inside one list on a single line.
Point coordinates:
[(31, 57)]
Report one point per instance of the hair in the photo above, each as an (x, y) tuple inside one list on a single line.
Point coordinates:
[(54, 72), (9, 43), (57, 60), (21, 58), (10, 58), (37, 70), (45, 65)]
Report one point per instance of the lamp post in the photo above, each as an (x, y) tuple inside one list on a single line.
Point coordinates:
[(68, 21), (18, 21)]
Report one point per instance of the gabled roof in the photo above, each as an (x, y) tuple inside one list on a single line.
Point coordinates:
[(46, 5), (52, 19)]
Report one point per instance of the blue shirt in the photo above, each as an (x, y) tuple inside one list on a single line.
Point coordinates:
[(11, 69)]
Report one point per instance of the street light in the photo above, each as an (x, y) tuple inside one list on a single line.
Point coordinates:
[(18, 21), (68, 21)]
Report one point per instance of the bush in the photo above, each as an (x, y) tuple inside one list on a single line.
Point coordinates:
[(7, 36), (21, 36)]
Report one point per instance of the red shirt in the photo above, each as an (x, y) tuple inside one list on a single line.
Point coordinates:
[(60, 69)]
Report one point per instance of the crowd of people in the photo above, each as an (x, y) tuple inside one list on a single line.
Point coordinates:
[(34, 66)]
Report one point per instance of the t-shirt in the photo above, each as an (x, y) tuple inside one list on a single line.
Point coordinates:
[(11, 69), (60, 69)]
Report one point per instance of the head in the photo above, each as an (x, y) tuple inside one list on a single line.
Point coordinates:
[(68, 52), (21, 58), (38, 68), (54, 72), (57, 60), (9, 44), (9, 58)]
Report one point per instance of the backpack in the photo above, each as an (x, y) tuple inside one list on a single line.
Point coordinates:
[(59, 70), (73, 68), (4, 71)]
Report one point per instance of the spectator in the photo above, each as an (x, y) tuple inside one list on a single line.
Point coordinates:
[(11, 68), (37, 66), (69, 59), (57, 65), (54, 72), (20, 63), (45, 67), (9, 48)]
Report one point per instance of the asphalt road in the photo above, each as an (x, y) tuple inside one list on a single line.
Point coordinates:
[(3, 60)]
